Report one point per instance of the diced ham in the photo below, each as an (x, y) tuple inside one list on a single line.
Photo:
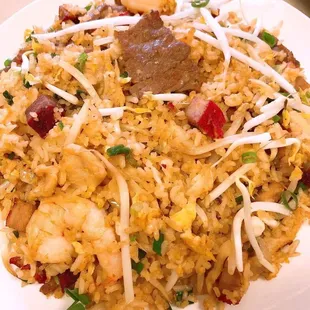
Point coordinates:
[(17, 261), (207, 116), (25, 267), (20, 215), (41, 115), (40, 276), (67, 280)]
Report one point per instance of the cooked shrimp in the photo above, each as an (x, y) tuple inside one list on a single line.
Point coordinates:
[(47, 240)]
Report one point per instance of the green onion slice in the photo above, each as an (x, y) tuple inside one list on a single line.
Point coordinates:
[(80, 65), (8, 97), (118, 149), (269, 39), (276, 118), (249, 157), (157, 244), (285, 197), (8, 62), (200, 3)]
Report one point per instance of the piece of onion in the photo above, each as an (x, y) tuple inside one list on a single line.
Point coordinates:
[(230, 181), (61, 93), (124, 225), (81, 78)]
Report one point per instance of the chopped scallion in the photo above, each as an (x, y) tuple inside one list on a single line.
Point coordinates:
[(138, 267), (285, 197), (200, 3), (301, 186), (78, 298), (88, 7), (29, 38), (239, 199), (131, 160), (80, 65), (61, 125), (276, 118), (7, 63), (249, 157), (179, 296), (269, 39), (26, 83), (117, 150), (8, 97), (133, 238), (124, 75), (158, 243)]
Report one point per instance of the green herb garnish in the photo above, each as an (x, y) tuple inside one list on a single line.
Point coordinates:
[(117, 150), (141, 254), (131, 160), (53, 55), (200, 3), (29, 39), (301, 186), (11, 156), (61, 125), (8, 97), (77, 306), (80, 301), (16, 233), (138, 267), (238, 200), (276, 118), (80, 65), (26, 84), (88, 7), (269, 39), (284, 200), (249, 157), (133, 238), (124, 75), (179, 296), (157, 244), (8, 62), (285, 94)]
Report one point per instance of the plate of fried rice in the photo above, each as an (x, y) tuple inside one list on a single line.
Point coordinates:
[(154, 154)]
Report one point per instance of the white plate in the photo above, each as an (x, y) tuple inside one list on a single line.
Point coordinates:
[(291, 289)]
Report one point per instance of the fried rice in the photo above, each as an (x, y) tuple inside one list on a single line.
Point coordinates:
[(130, 186)]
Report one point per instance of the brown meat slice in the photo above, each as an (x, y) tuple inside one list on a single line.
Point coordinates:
[(20, 215), (41, 115), (290, 58), (155, 60), (301, 83)]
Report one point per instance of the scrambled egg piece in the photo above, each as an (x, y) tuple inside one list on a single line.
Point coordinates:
[(82, 168), (145, 6), (185, 218)]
